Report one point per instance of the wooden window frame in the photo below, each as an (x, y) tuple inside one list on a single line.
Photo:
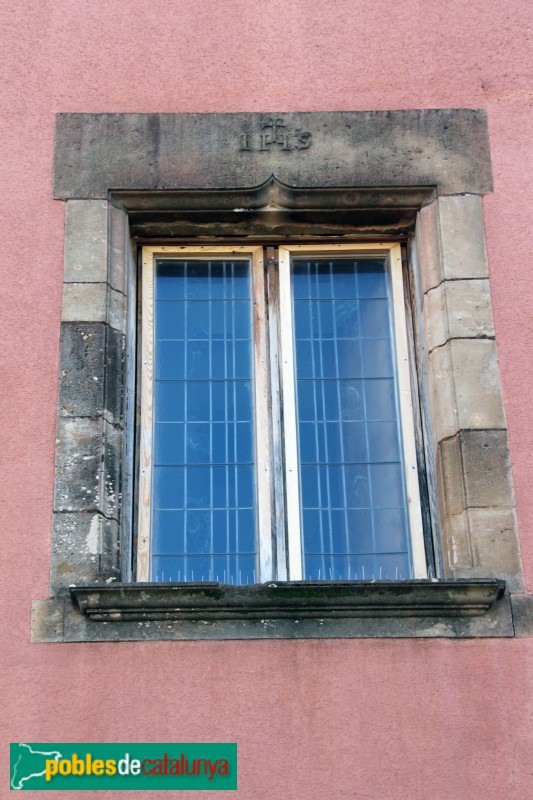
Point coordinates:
[(260, 379), (276, 454), (394, 256)]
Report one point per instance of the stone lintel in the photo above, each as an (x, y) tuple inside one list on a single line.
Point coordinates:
[(447, 148)]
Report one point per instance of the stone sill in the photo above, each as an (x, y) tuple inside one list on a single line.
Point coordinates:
[(292, 600)]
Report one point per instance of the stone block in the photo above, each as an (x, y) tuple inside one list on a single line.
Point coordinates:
[(474, 471), (522, 607), (86, 241), (464, 387), (79, 464), (456, 544), (428, 248), (84, 302), (462, 237), (93, 302), (119, 249), (116, 310), (457, 310), (447, 148), (441, 393), (494, 544), (486, 468), (112, 471), (469, 309), (114, 376), (81, 370), (85, 549), (91, 371), (450, 477), (476, 379)]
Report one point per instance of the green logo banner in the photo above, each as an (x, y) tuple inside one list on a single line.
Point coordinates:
[(126, 766)]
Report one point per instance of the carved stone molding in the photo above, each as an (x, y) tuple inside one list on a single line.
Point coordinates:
[(293, 600)]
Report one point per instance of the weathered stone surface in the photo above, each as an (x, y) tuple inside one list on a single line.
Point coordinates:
[(79, 465), (457, 310), (474, 471), (85, 241), (119, 249), (522, 608), (464, 387), (85, 549), (84, 302), (469, 309), (486, 468), (93, 302), (286, 600), (494, 543), (88, 466), (462, 236), (112, 471), (78, 628), (91, 371), (428, 247), (81, 370), (450, 476), (450, 243), (115, 355), (116, 310), (448, 148), (457, 545)]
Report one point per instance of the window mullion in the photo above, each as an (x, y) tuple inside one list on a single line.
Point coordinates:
[(276, 433), (262, 435), (289, 417)]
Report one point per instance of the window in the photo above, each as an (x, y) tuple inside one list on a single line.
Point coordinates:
[(277, 436), (358, 178)]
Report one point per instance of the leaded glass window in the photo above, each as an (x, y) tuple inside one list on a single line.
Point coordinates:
[(225, 376)]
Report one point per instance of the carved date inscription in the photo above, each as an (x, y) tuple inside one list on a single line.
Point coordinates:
[(274, 133)]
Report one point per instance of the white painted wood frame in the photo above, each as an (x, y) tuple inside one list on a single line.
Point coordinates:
[(393, 253), (261, 394)]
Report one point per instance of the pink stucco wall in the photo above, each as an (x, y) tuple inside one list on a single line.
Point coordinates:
[(386, 720)]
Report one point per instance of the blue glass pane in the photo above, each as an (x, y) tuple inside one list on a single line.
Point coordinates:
[(374, 318), (169, 443), (383, 441), (377, 358), (169, 532), (391, 530), (361, 530), (387, 485), (353, 500), (203, 523), (380, 399), (170, 400), (170, 322), (168, 488), (170, 362)]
